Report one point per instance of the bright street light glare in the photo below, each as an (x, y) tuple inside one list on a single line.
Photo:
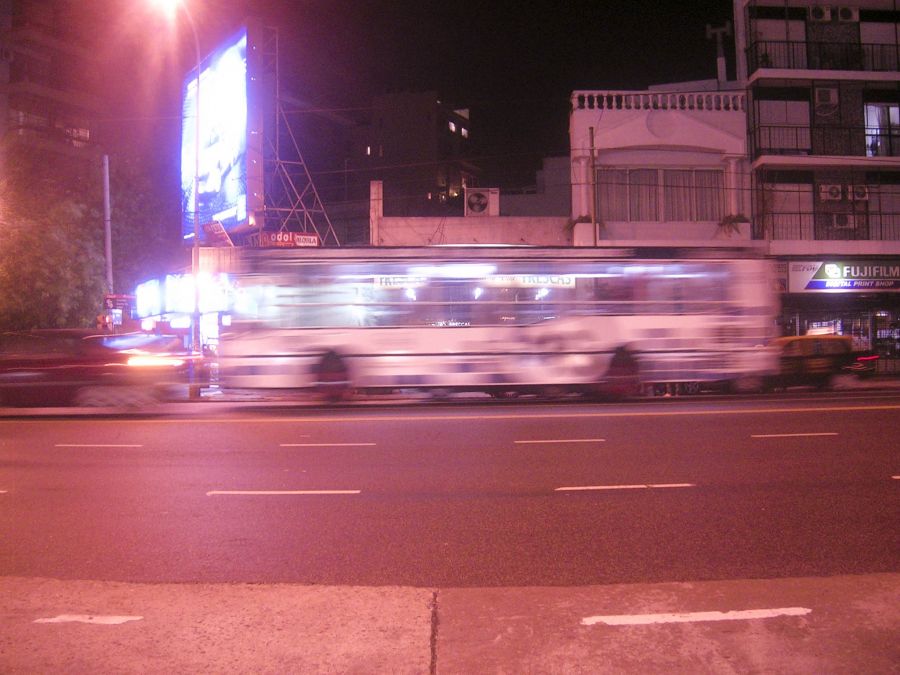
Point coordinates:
[(169, 7)]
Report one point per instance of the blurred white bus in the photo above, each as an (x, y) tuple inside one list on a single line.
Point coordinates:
[(503, 321)]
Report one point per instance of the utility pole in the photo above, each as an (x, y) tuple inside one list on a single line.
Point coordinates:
[(593, 190), (107, 226)]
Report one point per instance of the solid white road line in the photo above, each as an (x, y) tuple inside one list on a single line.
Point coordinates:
[(530, 415), (645, 486), (567, 440), (3, 492), (326, 445), (98, 445), (213, 493), (89, 618), (690, 617), (896, 477), (819, 433)]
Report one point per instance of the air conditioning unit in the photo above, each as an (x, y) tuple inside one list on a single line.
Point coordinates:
[(830, 192), (826, 96), (848, 14), (843, 221), (858, 193), (818, 13), (482, 201)]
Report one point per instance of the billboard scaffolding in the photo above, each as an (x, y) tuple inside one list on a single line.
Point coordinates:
[(291, 201)]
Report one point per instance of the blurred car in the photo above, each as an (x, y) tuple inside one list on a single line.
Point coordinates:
[(863, 364), (810, 360), (79, 367)]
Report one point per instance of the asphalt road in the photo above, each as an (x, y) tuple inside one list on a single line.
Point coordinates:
[(458, 496)]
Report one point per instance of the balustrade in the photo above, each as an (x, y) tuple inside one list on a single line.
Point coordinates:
[(643, 100)]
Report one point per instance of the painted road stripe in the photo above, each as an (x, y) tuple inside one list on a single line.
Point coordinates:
[(89, 618), (326, 445), (213, 493), (690, 617), (98, 445), (894, 477), (567, 440), (644, 486), (3, 492), (812, 433), (530, 415)]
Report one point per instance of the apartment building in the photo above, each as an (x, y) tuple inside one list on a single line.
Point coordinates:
[(823, 92), (47, 80), (418, 147), (799, 158)]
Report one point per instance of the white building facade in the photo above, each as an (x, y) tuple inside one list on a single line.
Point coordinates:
[(667, 164), (800, 158)]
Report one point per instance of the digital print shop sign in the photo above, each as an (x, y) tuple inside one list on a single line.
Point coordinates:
[(845, 276), (228, 161)]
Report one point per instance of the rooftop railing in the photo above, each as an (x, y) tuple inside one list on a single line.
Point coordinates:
[(646, 100)]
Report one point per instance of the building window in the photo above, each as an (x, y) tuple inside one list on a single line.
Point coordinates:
[(643, 190), (25, 119), (785, 211), (464, 132), (692, 195), (882, 129), (452, 126), (783, 126), (648, 195)]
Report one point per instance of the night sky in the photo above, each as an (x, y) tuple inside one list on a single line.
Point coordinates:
[(513, 64)]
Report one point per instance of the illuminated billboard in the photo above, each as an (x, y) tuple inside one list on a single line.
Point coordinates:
[(226, 164)]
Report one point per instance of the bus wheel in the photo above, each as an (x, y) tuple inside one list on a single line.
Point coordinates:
[(504, 394), (622, 379), (691, 388), (333, 378), (553, 392), (750, 384)]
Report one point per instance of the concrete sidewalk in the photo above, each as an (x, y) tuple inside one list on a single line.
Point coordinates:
[(875, 382), (841, 624)]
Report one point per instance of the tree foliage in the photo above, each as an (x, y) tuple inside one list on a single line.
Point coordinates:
[(52, 254), (146, 234)]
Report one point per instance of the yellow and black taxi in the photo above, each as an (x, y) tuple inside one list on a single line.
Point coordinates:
[(810, 360)]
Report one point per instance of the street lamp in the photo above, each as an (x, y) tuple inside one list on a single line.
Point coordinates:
[(170, 7)]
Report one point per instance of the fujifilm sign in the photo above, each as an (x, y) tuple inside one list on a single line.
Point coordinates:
[(858, 276)]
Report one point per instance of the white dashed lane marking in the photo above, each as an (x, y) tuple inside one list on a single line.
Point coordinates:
[(218, 493), (644, 486), (565, 440), (98, 445), (801, 435), (326, 445), (89, 618)]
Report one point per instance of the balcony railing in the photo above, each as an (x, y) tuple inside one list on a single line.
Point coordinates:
[(856, 226), (822, 56), (644, 100), (853, 141)]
